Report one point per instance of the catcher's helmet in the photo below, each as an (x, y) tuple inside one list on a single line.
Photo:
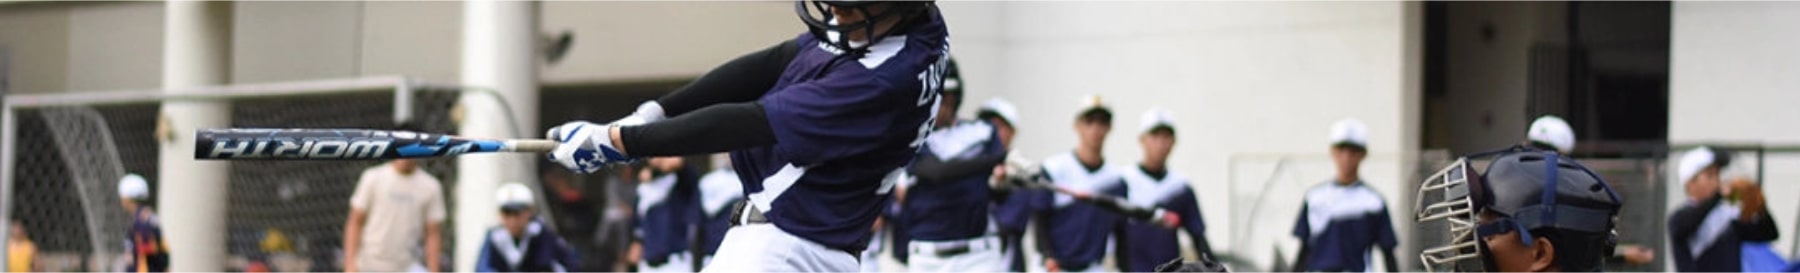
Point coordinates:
[(1525, 190)]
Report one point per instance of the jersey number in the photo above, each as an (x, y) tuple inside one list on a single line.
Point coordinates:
[(931, 82)]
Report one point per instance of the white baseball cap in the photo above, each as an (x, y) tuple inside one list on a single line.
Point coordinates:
[(513, 196), (1350, 131), (1552, 130), (1156, 118), (134, 187), (1001, 108), (1696, 160), (1092, 103)]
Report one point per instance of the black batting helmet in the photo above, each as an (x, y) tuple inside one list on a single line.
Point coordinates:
[(823, 24)]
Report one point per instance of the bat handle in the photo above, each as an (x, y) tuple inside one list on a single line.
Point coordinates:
[(529, 146)]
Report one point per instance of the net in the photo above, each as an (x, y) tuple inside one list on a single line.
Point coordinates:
[(282, 215)]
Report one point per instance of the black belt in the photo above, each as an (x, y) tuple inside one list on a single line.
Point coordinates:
[(964, 246), (743, 213), (951, 250)]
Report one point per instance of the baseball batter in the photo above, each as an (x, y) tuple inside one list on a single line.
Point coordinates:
[(814, 124)]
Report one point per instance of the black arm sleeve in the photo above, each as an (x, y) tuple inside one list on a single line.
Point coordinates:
[(743, 79), (719, 128), (931, 168)]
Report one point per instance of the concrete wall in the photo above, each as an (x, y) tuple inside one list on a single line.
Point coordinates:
[(115, 46), (36, 36), (57, 47), (1488, 77), (1249, 83), (1731, 80), (628, 41)]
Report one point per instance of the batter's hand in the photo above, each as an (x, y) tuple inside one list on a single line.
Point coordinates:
[(584, 147), (648, 112)]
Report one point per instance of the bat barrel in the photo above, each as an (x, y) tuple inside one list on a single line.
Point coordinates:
[(345, 144)]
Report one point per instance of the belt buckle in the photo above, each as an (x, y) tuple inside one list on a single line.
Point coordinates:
[(744, 214), (737, 213)]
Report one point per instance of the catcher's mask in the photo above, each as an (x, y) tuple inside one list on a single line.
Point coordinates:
[(1523, 189)]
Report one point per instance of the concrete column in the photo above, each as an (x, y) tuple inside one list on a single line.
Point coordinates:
[(499, 52), (190, 193)]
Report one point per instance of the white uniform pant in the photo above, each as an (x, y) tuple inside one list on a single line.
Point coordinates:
[(871, 256), (678, 262), (764, 248), (983, 255)]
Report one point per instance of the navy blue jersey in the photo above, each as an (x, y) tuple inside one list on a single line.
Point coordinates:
[(954, 208), (148, 251), (1340, 224), (539, 250), (1013, 213), (1146, 244), (719, 190), (841, 123), (666, 211), (1079, 231), (1707, 236)]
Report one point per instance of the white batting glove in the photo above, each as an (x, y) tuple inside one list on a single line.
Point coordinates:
[(583, 146), (648, 112)]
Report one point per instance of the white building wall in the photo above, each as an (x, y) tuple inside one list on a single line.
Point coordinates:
[(292, 41), (633, 41), (1732, 67)]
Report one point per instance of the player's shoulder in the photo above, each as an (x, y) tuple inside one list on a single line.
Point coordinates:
[(1060, 161), (1176, 176), (148, 216), (974, 124), (966, 131), (1363, 188)]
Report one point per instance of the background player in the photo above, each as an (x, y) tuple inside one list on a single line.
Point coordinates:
[(1342, 219), (665, 214), (1707, 233), (395, 207), (1534, 212), (815, 122), (1145, 245), (148, 251), (720, 191), (522, 243), (945, 212), (1012, 205), (1073, 236)]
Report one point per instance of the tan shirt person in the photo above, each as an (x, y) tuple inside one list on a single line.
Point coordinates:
[(400, 211)]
